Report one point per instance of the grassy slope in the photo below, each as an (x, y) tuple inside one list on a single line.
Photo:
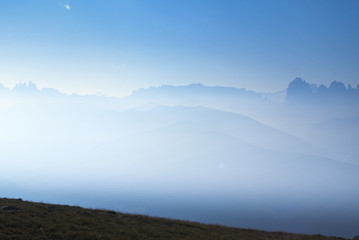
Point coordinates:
[(47, 221)]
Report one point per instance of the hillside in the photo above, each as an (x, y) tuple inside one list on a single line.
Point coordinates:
[(27, 220)]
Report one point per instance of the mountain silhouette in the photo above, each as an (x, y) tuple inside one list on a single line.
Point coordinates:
[(301, 92), (25, 88), (298, 91), (195, 93)]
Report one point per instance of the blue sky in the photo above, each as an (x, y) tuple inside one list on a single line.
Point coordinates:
[(116, 46)]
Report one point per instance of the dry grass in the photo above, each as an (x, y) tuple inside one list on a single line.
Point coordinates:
[(47, 221)]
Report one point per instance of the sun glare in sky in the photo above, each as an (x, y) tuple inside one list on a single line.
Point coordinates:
[(65, 4)]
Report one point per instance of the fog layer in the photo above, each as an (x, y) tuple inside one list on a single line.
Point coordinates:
[(276, 161)]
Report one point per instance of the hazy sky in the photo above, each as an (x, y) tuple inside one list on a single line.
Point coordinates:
[(116, 46)]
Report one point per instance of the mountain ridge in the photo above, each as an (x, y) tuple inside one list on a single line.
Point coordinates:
[(297, 90)]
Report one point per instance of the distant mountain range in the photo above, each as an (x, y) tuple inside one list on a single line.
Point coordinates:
[(28, 88), (300, 91)]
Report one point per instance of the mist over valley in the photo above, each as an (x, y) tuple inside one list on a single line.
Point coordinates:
[(276, 161)]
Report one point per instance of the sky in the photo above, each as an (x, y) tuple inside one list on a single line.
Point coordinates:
[(113, 47)]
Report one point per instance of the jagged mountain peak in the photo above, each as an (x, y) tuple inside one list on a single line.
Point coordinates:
[(300, 91), (26, 87)]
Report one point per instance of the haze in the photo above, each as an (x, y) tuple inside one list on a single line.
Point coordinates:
[(241, 113)]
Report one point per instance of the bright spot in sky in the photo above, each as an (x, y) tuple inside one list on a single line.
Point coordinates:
[(65, 4)]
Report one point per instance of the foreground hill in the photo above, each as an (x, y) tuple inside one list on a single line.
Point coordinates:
[(26, 220)]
